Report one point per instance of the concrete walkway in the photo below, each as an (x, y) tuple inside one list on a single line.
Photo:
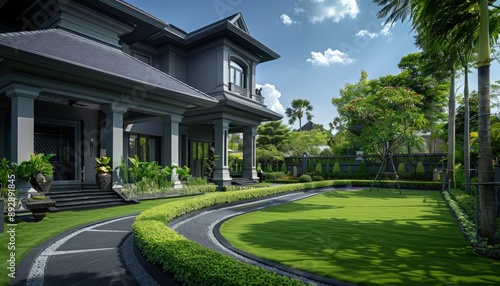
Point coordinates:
[(103, 253)]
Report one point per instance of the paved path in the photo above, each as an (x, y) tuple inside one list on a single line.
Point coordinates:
[(99, 254), (102, 253)]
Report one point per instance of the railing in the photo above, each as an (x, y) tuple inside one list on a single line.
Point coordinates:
[(244, 92)]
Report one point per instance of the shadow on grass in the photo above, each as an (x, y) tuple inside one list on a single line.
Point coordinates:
[(414, 247)]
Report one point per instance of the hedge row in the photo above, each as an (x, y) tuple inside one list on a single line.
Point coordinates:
[(403, 184), (193, 264)]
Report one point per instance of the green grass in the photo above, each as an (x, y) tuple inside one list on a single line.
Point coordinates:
[(30, 234), (377, 238)]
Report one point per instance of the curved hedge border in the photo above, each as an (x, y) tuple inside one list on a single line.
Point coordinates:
[(193, 264)]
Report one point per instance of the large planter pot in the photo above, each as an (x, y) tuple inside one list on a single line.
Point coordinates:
[(103, 181), (41, 183), (40, 207)]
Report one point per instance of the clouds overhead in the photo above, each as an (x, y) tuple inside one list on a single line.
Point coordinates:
[(318, 11), (287, 21), (272, 98), (385, 30), (329, 57)]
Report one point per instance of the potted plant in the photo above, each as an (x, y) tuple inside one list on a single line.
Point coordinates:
[(39, 204), (103, 176), (38, 171)]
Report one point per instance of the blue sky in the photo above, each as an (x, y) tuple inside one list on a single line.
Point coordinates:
[(324, 44)]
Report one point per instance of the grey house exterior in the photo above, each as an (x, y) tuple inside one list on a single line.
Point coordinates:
[(80, 79)]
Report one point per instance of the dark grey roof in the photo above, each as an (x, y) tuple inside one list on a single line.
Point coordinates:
[(73, 49)]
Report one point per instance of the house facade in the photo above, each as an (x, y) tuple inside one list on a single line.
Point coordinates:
[(81, 79)]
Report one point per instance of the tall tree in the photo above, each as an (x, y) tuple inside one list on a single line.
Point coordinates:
[(273, 133), (300, 107), (461, 23)]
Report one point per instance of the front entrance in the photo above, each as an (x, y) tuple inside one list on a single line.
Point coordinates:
[(61, 142)]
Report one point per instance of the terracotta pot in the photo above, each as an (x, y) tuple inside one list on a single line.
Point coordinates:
[(103, 181)]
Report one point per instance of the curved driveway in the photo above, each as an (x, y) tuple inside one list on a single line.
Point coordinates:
[(203, 228), (102, 253)]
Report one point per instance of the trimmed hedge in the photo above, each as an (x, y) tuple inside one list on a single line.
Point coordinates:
[(193, 264), (403, 184)]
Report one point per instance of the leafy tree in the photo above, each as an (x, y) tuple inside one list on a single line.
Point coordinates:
[(270, 155), (389, 116), (235, 142), (273, 133), (309, 142), (461, 25), (300, 107)]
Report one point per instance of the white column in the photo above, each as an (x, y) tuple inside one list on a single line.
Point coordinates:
[(171, 137), (221, 173), (22, 120), (249, 156), (114, 137)]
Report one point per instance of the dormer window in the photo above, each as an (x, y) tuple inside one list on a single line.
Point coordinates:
[(237, 75)]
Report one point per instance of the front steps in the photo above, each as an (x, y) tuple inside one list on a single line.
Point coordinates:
[(71, 199)]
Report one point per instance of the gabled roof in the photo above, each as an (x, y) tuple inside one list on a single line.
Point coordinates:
[(234, 28), (66, 47)]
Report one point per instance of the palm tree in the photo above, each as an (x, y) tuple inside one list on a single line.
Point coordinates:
[(300, 107), (461, 23)]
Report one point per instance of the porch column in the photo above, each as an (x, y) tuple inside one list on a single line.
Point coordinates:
[(170, 144), (22, 141), (249, 167), (221, 173), (5, 140), (113, 132)]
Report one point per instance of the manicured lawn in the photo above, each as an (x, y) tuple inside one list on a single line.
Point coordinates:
[(30, 234), (377, 238)]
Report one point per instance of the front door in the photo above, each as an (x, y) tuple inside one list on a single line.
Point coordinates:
[(61, 142)]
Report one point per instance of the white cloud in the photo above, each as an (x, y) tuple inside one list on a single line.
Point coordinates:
[(366, 34), (272, 98), (285, 19), (318, 11), (385, 31), (329, 57)]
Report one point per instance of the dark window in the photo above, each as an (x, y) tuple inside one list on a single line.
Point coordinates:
[(237, 74), (146, 147)]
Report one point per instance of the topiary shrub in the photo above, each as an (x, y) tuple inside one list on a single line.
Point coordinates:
[(283, 168), (420, 169), (305, 178), (317, 178), (401, 169), (336, 170), (362, 168), (319, 169)]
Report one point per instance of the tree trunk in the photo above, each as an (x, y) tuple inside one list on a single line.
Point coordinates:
[(451, 130), (488, 209), (466, 131)]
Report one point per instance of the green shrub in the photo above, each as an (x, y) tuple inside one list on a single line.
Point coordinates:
[(305, 178), (318, 178), (274, 175), (283, 181), (193, 264), (402, 169), (466, 202), (191, 181), (362, 169), (336, 169), (283, 168), (420, 170), (319, 169)]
